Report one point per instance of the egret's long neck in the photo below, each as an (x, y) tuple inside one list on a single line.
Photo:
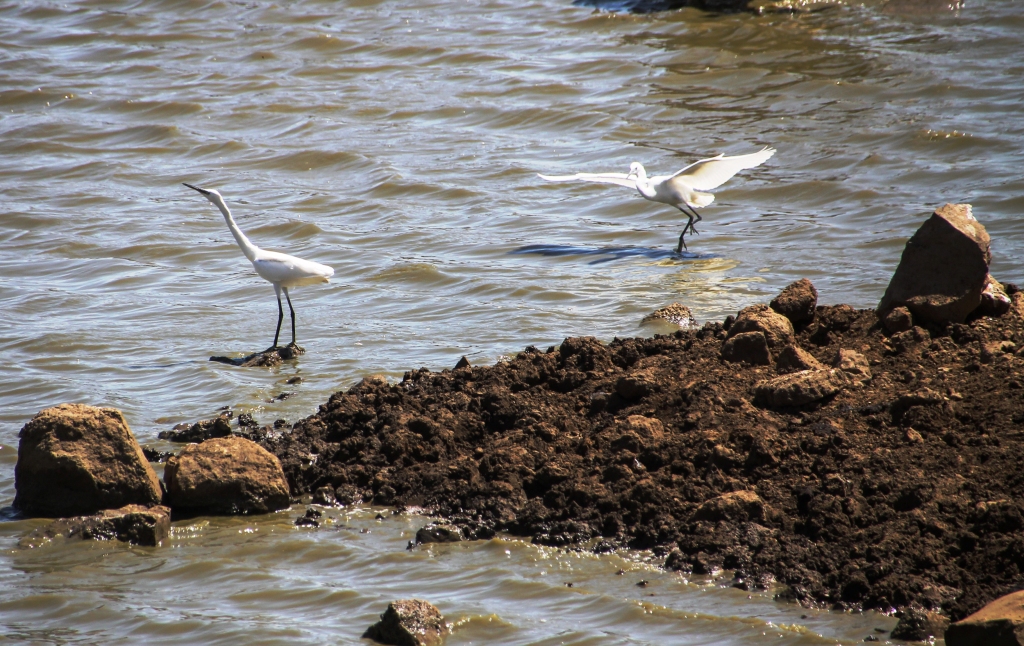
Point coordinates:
[(643, 185), (248, 248)]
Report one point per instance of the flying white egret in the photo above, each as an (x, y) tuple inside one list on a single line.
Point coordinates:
[(279, 269), (682, 189)]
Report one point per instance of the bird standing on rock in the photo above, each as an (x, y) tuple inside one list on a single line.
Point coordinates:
[(279, 269), (684, 189)]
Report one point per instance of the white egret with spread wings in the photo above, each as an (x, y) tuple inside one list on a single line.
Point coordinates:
[(685, 189)]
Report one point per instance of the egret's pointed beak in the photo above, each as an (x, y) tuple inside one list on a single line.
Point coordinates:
[(196, 188)]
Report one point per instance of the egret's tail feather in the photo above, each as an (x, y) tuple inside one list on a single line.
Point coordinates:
[(699, 200)]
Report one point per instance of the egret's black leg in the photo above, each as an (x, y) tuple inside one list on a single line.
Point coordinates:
[(290, 309), (280, 315), (694, 219), (682, 242)]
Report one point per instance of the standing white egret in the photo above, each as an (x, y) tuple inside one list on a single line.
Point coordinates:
[(279, 269), (682, 189)]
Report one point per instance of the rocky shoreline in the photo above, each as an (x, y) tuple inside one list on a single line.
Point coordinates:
[(857, 458), (843, 458), (904, 491)]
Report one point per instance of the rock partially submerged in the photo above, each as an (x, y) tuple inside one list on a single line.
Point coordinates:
[(409, 622), (676, 314), (268, 358), (434, 533), (230, 475), (75, 459), (201, 431), (136, 524), (943, 270), (917, 625)]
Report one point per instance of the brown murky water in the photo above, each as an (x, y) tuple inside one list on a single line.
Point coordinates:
[(398, 142)]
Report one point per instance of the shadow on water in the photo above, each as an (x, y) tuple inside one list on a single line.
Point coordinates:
[(608, 254), (653, 6)]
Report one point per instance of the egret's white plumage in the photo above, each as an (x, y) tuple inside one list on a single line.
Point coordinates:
[(279, 269), (685, 188)]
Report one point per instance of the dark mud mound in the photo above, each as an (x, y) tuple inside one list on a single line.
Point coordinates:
[(901, 485)]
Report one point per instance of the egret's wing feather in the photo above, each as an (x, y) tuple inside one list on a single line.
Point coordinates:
[(289, 270), (603, 178), (709, 174)]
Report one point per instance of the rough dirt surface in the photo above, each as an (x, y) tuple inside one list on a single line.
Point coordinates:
[(904, 489)]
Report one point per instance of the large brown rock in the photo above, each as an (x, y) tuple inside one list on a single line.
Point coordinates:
[(943, 270), (74, 460), (1000, 623), (799, 388), (777, 329), (409, 622), (797, 302), (132, 524), (228, 475)]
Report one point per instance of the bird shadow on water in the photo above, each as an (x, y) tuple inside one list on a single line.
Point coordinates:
[(608, 254)]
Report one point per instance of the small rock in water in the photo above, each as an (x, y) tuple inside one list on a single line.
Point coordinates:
[(294, 380), (324, 496), (409, 622), (267, 359), (246, 420), (463, 363), (676, 314), (921, 625), (438, 534), (136, 524), (156, 456), (311, 519), (201, 431)]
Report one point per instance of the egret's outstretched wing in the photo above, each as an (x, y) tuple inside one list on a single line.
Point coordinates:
[(604, 178), (709, 174)]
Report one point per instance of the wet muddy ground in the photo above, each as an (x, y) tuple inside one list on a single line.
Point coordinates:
[(905, 489)]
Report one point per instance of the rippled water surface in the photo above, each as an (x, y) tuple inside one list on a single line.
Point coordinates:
[(399, 143)]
